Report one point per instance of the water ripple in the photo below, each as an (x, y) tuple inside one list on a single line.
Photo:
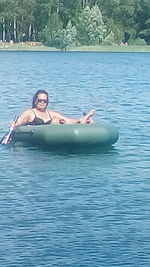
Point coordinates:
[(67, 208)]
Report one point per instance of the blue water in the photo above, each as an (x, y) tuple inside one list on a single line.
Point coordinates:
[(77, 209)]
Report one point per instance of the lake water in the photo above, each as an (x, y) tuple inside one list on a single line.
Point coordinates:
[(77, 209)]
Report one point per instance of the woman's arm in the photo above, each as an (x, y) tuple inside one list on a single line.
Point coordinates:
[(56, 117), (22, 119), (88, 117)]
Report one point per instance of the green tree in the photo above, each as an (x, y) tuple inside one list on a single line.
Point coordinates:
[(55, 35), (26, 20), (17, 19), (70, 35), (50, 33), (109, 39), (6, 16), (143, 20), (91, 28), (120, 17)]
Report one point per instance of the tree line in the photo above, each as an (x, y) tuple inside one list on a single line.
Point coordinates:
[(68, 23)]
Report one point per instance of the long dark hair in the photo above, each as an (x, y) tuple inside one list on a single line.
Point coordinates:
[(36, 96)]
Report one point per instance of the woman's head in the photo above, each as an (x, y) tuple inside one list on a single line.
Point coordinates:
[(40, 99)]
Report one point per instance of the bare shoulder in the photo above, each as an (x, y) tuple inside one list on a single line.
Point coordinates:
[(25, 117), (27, 112)]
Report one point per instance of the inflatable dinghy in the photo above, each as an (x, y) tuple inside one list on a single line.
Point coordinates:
[(62, 135)]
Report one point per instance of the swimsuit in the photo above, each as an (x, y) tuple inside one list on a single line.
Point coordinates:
[(39, 121)]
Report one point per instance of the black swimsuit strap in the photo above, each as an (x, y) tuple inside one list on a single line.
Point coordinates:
[(34, 113), (49, 115), (40, 118)]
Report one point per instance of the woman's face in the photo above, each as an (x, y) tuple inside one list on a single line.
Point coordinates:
[(41, 102)]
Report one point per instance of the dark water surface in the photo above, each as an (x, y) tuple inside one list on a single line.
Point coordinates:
[(70, 208)]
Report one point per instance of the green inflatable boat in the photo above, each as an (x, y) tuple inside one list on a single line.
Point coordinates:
[(67, 135)]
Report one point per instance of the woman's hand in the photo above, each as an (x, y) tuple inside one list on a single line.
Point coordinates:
[(88, 117), (12, 125)]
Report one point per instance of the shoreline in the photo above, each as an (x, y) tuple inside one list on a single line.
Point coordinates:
[(31, 46)]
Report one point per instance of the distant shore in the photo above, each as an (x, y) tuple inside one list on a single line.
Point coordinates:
[(37, 46)]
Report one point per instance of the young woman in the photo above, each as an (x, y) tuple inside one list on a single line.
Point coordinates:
[(39, 114)]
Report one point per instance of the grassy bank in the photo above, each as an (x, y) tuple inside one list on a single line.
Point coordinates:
[(34, 46), (26, 46), (115, 48)]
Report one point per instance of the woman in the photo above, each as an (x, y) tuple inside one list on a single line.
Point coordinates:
[(39, 114)]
